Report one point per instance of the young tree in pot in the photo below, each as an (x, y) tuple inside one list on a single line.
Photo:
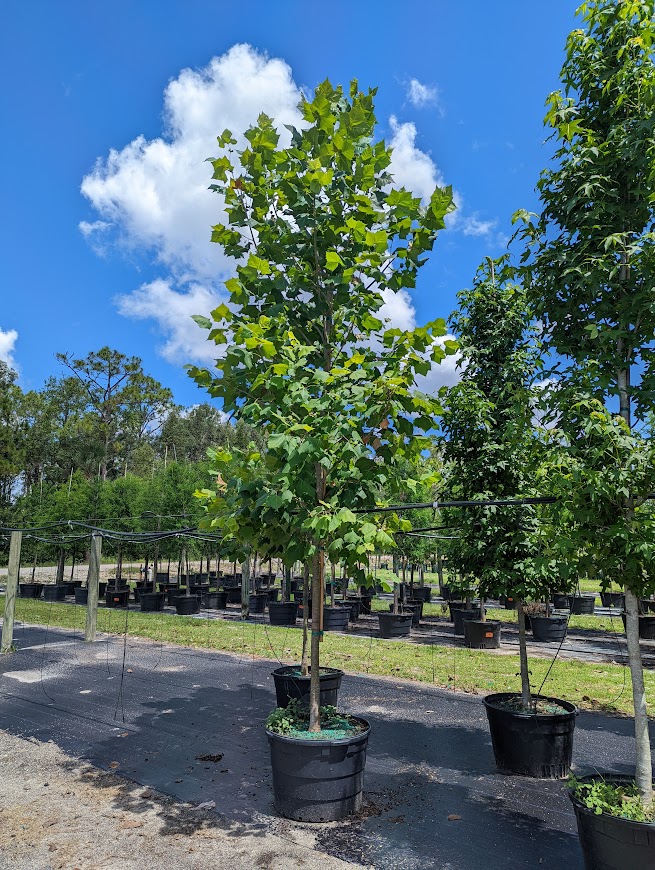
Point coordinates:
[(590, 252), (491, 446), (323, 237)]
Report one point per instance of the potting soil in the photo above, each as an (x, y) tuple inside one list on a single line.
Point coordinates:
[(339, 727), (539, 705)]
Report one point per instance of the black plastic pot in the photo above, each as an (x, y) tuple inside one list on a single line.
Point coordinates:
[(416, 609), (549, 629), (354, 604), (531, 744), (318, 780), (171, 594), (117, 583), (613, 599), (365, 605), (217, 600), (453, 606), (461, 615), (482, 635), (446, 592), (611, 843), (56, 592), (102, 589), (290, 684), (199, 588), (257, 603), (509, 603), (30, 590), (282, 612), (163, 577), (582, 604), (646, 626), (151, 602), (81, 595), (336, 618), (395, 624), (234, 595), (422, 593), (187, 605), (228, 581), (561, 601), (647, 606), (117, 597), (273, 594)]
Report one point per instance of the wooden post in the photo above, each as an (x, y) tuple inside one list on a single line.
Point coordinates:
[(92, 589), (13, 571)]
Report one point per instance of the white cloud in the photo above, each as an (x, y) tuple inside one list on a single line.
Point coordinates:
[(473, 226), (172, 310), (411, 167), (421, 95), (152, 196), (7, 341)]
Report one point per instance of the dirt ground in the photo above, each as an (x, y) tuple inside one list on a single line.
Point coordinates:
[(58, 813)]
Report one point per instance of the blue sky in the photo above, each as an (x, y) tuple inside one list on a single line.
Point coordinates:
[(117, 252)]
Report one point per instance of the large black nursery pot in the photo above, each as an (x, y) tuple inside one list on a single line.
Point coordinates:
[(257, 602), (446, 592), (422, 593), (282, 612), (549, 629), (582, 604), (561, 601), (81, 595), (102, 588), (413, 607), (453, 606), (459, 616), (273, 593), (56, 592), (30, 590), (646, 626), (117, 597), (318, 780), (482, 635), (234, 595), (609, 842), (335, 618), (151, 602), (613, 599), (217, 600), (187, 605), (354, 603), (290, 684), (531, 744), (395, 624)]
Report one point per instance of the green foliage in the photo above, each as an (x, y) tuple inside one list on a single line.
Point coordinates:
[(489, 443), (293, 720), (321, 236), (623, 801)]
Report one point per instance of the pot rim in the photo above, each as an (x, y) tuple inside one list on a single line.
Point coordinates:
[(386, 615), (280, 671), (340, 741), (519, 714)]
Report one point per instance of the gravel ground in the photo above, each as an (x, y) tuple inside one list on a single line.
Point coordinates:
[(58, 813)]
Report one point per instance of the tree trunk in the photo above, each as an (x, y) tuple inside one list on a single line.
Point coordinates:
[(245, 587), (483, 612), (526, 695), (317, 613), (643, 772), (440, 570), (61, 564)]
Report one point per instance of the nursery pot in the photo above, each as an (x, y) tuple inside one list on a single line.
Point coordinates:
[(257, 602), (509, 602), (446, 592), (561, 601), (81, 595), (580, 604), (272, 594), (336, 618), (647, 606), (609, 842), (102, 588), (187, 605), (354, 604), (531, 744), (365, 604), (612, 599), (482, 635), (549, 629), (151, 601), (423, 593), (395, 624), (453, 606), (171, 594), (30, 590), (234, 595), (461, 615), (318, 780), (56, 592), (416, 608), (646, 626), (289, 684), (282, 612), (117, 597), (217, 600)]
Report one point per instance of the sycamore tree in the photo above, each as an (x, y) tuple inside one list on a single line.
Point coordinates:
[(591, 257), (490, 443), (323, 238)]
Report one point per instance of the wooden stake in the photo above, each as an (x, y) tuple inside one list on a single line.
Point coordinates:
[(92, 586), (13, 571)]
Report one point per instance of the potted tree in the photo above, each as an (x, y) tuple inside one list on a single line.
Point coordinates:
[(322, 236), (490, 444), (591, 267)]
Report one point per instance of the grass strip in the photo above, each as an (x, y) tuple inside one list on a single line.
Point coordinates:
[(604, 687)]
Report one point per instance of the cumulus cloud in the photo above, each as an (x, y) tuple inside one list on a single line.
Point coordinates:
[(473, 226), (7, 342), (421, 95), (152, 196)]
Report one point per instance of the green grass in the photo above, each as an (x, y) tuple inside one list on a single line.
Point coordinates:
[(592, 686)]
